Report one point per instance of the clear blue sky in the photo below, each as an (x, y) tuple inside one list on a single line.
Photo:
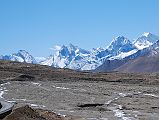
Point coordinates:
[(37, 25)]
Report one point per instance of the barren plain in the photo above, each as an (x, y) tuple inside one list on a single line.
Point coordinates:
[(83, 95)]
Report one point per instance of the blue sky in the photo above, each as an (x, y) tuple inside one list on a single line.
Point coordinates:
[(37, 25)]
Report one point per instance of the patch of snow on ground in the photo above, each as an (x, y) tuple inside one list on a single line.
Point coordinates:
[(21, 99), (35, 105), (122, 94), (120, 114), (40, 86), (117, 109), (11, 101), (7, 83), (152, 95), (63, 88), (103, 118), (61, 114), (1, 94), (3, 89), (34, 83)]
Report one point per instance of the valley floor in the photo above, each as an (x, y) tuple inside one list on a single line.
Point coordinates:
[(88, 99), (102, 96)]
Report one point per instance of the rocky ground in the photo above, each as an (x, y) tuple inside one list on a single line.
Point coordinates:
[(78, 95), (28, 113)]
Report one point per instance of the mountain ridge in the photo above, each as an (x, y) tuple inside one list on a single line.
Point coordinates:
[(120, 51)]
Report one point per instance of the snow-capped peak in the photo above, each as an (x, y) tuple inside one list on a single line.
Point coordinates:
[(146, 34), (121, 39), (64, 55), (25, 56), (146, 40), (40, 59), (120, 44), (57, 47), (74, 57), (118, 41), (21, 56), (23, 53)]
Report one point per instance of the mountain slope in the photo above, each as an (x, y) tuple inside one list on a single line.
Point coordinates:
[(64, 55), (119, 52), (74, 57), (141, 65), (114, 64), (21, 56), (120, 44), (146, 40), (146, 63), (110, 65), (147, 47)]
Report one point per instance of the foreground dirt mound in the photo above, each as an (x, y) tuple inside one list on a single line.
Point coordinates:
[(28, 113)]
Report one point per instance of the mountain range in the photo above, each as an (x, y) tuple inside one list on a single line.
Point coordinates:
[(141, 55)]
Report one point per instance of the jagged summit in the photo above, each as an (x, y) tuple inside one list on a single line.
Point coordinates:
[(146, 40), (74, 57), (120, 44), (71, 50), (146, 34), (118, 41), (21, 56), (65, 55)]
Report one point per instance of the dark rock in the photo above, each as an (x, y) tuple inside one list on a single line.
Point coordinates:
[(24, 77), (90, 105)]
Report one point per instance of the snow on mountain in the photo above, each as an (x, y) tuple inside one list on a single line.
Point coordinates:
[(148, 63), (146, 40), (120, 44), (73, 57), (64, 55), (40, 59), (84, 62), (153, 50), (21, 56), (26, 56), (123, 55), (48, 61), (12, 57)]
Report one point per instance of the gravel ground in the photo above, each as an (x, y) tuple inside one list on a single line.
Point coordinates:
[(88, 99)]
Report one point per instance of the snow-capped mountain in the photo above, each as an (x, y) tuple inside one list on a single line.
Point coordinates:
[(120, 44), (146, 40), (153, 49), (140, 61), (21, 56), (148, 63), (64, 55), (74, 57), (39, 59), (121, 47), (120, 50)]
